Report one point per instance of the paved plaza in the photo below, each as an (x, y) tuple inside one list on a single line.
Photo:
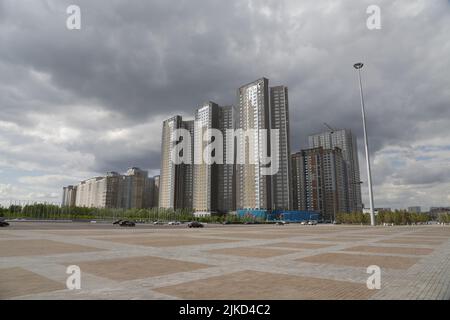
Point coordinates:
[(223, 262)]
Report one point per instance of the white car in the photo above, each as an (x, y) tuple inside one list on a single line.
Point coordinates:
[(303, 223), (174, 223)]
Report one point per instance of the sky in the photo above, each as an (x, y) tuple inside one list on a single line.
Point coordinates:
[(78, 103)]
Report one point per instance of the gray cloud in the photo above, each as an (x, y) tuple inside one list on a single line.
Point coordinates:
[(93, 100)]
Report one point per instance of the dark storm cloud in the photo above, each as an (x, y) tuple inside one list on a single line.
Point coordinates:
[(100, 93)]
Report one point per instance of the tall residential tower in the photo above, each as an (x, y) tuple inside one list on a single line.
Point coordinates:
[(346, 141), (253, 189), (175, 181), (213, 190), (281, 181)]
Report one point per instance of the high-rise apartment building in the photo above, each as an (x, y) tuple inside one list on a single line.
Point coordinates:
[(90, 193), (186, 187), (135, 191), (281, 181), (253, 188), (114, 190), (213, 187), (319, 181), (245, 183), (69, 196), (301, 191), (226, 172), (205, 175), (168, 174), (176, 180), (346, 141), (415, 209)]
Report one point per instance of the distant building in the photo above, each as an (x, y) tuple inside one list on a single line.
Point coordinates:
[(319, 181), (131, 190), (437, 210), (213, 190), (90, 193), (226, 172), (346, 141), (253, 189), (415, 209), (281, 181), (136, 189), (242, 184), (176, 180), (69, 196)]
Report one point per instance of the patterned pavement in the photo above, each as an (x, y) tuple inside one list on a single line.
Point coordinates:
[(224, 262)]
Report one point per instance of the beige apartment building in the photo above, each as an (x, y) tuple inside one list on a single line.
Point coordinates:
[(243, 184), (253, 189), (175, 180), (213, 187), (131, 190)]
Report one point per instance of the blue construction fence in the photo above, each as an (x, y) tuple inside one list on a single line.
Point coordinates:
[(277, 215)]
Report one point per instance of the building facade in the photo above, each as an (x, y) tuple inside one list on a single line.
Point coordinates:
[(135, 191), (415, 209), (131, 190), (176, 180), (319, 181), (226, 176), (69, 196), (213, 187), (240, 181), (346, 141), (253, 189), (205, 198), (281, 181)]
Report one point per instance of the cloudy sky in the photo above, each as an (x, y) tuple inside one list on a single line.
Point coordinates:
[(78, 103)]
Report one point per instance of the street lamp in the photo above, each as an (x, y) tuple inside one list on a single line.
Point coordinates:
[(358, 66)]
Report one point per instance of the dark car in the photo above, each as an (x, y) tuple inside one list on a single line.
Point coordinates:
[(127, 223), (3, 223), (117, 222), (195, 224)]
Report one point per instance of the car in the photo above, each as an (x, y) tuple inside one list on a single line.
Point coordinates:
[(174, 223), (127, 223), (303, 223), (3, 223), (158, 222), (117, 221), (195, 224), (280, 223), (312, 222)]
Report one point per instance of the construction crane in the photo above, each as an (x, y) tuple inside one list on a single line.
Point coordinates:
[(329, 128)]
